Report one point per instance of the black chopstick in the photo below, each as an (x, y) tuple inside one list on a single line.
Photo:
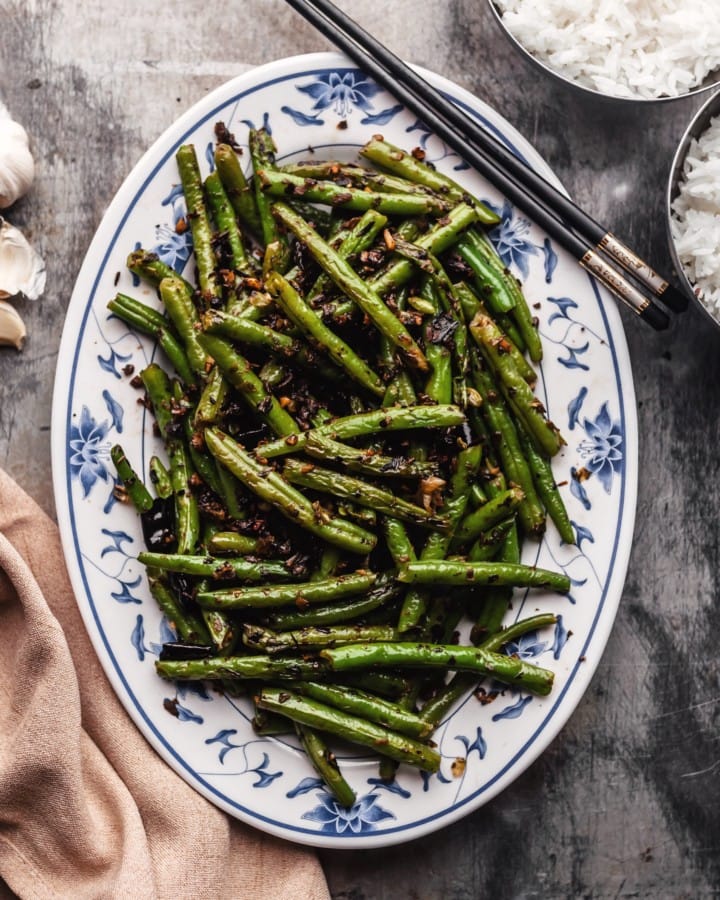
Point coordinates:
[(488, 156)]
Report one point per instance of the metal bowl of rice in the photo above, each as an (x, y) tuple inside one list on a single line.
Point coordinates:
[(646, 50), (693, 208)]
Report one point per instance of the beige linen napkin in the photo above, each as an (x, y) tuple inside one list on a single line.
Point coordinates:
[(87, 808)]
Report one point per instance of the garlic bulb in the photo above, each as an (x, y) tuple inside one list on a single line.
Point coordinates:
[(22, 271), (12, 327), (17, 168)]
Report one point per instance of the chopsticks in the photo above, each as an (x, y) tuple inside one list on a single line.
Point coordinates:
[(552, 211)]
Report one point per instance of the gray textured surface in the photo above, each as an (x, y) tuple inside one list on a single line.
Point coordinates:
[(626, 802)]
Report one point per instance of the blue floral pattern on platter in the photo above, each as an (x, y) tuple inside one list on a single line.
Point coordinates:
[(491, 735), (340, 92), (333, 818)]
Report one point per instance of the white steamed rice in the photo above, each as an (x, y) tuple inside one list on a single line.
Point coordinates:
[(695, 222), (636, 48)]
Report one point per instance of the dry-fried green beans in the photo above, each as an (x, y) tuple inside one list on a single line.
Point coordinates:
[(316, 363)]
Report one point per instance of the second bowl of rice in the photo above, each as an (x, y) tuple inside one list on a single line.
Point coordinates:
[(624, 49), (693, 208)]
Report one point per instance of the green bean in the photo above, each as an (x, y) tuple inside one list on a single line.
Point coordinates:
[(495, 601), (262, 153), (151, 268), (437, 706), (526, 325), (323, 220), (489, 281), (439, 385), (278, 183), (268, 724), (273, 373), (216, 569), (410, 167), (398, 542), (184, 317), (364, 515), (187, 523), (203, 465), (488, 543), (352, 728), (136, 491), (497, 641), (367, 423), (547, 489), (199, 222), (223, 631), (348, 242), (350, 375), (188, 626), (440, 704), (224, 216), (151, 322), (514, 464), (366, 461), (505, 341), (325, 764), (232, 542), (484, 517), (471, 304), (239, 192), (367, 706), (254, 334), (251, 668), (436, 546), (520, 396), (298, 594), (359, 176), (519, 317), (329, 560), (387, 684), (227, 490), (399, 390), (462, 574), (337, 612), (212, 398), (160, 478), (272, 642), (508, 669), (360, 492)]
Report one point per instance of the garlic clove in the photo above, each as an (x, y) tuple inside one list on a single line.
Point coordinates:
[(22, 271), (12, 327), (17, 167)]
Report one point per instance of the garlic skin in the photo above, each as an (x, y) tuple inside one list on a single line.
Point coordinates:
[(17, 167), (22, 271), (12, 327)]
